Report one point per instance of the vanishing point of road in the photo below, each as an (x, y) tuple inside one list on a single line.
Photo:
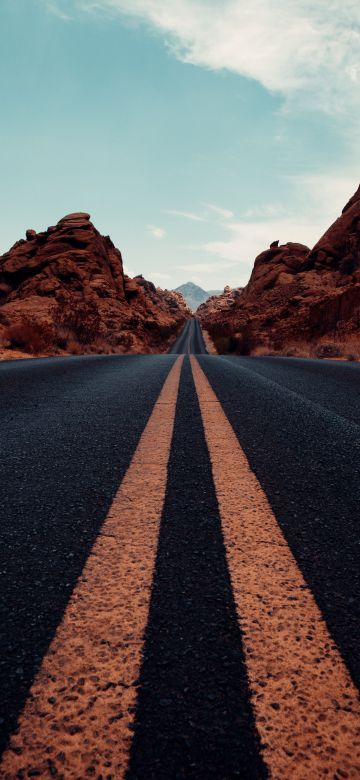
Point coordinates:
[(180, 567)]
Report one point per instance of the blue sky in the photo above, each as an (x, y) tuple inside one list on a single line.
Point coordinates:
[(195, 133)]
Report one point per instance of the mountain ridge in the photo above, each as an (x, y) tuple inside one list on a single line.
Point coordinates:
[(194, 295)]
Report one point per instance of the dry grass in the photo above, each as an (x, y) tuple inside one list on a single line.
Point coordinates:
[(244, 343), (331, 349), (29, 335)]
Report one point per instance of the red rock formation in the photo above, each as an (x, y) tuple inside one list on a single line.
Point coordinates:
[(297, 294), (69, 283), (219, 304)]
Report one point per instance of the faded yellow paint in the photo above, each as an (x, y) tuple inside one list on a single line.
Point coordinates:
[(306, 707), (76, 720)]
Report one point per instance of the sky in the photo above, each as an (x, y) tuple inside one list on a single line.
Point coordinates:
[(195, 132)]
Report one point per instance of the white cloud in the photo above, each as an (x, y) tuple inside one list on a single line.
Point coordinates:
[(156, 232), (185, 215), (324, 194), (321, 198), (292, 47), (56, 8), (224, 213), (248, 239)]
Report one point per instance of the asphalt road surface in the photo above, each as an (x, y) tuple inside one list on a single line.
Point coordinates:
[(179, 564), (190, 340)]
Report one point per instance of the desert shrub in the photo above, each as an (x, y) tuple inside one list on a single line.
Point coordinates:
[(80, 318), (30, 335), (246, 341), (261, 350), (73, 347), (299, 349), (242, 342), (224, 345), (329, 349), (62, 336), (351, 347)]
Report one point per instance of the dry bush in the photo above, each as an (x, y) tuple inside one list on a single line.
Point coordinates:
[(299, 349), (328, 349), (347, 348), (223, 344), (241, 342), (76, 318), (74, 348), (351, 347), (30, 335), (245, 341), (62, 337), (263, 351)]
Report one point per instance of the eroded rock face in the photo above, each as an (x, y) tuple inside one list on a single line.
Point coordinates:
[(295, 293), (219, 304), (71, 274)]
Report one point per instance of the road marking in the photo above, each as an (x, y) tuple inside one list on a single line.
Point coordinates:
[(306, 707), (78, 717), (189, 339)]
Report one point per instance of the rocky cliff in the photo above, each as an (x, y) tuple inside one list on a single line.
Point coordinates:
[(64, 290), (296, 294)]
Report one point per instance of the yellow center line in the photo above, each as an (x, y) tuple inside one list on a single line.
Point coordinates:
[(76, 719), (306, 707)]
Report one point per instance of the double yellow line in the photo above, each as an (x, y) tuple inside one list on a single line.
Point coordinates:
[(80, 711)]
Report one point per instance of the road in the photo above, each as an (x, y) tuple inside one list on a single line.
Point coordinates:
[(190, 340), (180, 567)]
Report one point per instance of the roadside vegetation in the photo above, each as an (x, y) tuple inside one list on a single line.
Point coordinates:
[(244, 342)]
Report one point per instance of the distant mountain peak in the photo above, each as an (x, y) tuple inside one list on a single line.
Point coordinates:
[(193, 294), (193, 286)]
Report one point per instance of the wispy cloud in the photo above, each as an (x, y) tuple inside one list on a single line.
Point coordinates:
[(156, 232), (219, 211), (185, 215), (56, 8), (267, 211), (293, 48), (320, 197)]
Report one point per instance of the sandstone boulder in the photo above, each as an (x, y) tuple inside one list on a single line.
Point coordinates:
[(295, 293), (70, 278)]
